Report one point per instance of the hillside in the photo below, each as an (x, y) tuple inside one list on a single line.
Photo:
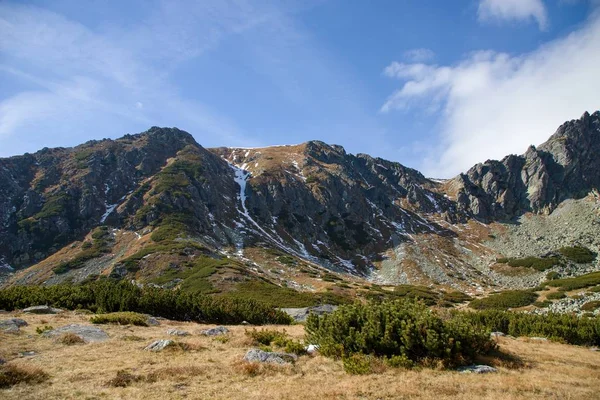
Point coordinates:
[(159, 208)]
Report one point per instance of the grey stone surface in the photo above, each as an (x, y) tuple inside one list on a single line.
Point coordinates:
[(177, 332), (12, 325), (42, 310), (158, 345), (151, 321), (477, 369), (257, 355), (88, 333), (219, 330), (300, 314)]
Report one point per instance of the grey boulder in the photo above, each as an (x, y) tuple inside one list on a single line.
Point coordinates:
[(219, 330), (477, 369), (300, 314), (88, 333), (158, 345), (177, 332), (257, 355), (42, 310), (12, 325)]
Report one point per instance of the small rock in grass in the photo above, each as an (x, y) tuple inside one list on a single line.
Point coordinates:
[(42, 310), (257, 355), (477, 369), (495, 335), (541, 339), (13, 321), (219, 330), (151, 321), (177, 332), (159, 345), (27, 353), (87, 333), (312, 348)]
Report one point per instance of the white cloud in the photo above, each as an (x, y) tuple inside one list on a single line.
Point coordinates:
[(419, 55), (493, 104), (499, 10)]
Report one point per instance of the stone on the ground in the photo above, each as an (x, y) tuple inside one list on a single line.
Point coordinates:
[(300, 314), (539, 339), (497, 334), (151, 321), (87, 333), (2, 361), (12, 325), (30, 353), (477, 369), (219, 330), (311, 348), (177, 332), (158, 345), (257, 355), (42, 310)]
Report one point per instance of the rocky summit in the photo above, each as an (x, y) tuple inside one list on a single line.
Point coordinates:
[(160, 209)]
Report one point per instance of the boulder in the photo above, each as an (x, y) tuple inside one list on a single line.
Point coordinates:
[(257, 355), (42, 310), (219, 330), (151, 321), (300, 314), (88, 333), (159, 345), (177, 332), (12, 325), (477, 369), (312, 348), (496, 335)]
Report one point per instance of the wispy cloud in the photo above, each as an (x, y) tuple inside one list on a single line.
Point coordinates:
[(520, 10), (78, 74), (419, 55), (493, 104)]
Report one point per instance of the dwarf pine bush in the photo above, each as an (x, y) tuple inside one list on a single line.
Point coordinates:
[(105, 296), (402, 329)]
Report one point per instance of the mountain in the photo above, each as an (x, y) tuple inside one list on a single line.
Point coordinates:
[(157, 207)]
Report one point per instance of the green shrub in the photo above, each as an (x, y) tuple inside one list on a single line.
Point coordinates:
[(505, 300), (590, 306), (556, 296), (563, 327), (41, 329), (537, 263), (266, 336), (121, 318), (404, 328), (578, 254), (361, 364), (107, 296), (552, 275), (583, 281), (456, 297)]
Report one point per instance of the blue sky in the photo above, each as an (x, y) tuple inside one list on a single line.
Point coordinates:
[(435, 85)]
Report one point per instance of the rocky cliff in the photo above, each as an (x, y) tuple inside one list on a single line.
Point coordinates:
[(312, 202)]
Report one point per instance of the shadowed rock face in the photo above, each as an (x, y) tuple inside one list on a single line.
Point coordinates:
[(566, 166), (311, 200)]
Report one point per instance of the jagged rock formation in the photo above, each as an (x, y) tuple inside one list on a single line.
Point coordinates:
[(564, 167), (311, 202)]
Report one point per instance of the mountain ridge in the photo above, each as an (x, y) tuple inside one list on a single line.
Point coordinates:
[(313, 201)]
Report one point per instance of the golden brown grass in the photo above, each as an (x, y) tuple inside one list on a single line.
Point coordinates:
[(213, 370), (69, 339)]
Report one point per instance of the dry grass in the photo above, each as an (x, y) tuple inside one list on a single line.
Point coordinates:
[(69, 339), (527, 370), (11, 375)]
